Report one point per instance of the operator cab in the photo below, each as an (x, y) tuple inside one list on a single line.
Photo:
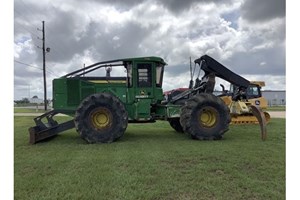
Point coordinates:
[(253, 90), (144, 86)]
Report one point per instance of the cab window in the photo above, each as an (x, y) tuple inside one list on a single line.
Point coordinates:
[(129, 74), (144, 75), (253, 91)]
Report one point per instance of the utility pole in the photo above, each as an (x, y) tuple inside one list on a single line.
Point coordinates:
[(44, 67), (44, 63), (29, 92)]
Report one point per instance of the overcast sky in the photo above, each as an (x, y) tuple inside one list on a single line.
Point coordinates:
[(246, 36)]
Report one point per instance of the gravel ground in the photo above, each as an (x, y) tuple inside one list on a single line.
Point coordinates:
[(277, 114)]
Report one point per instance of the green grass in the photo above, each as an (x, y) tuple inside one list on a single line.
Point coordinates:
[(276, 108), (29, 110), (151, 161)]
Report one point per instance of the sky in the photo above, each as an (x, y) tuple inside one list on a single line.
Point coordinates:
[(248, 37)]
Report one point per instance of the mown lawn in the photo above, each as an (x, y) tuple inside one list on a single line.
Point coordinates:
[(276, 108), (151, 161), (29, 110)]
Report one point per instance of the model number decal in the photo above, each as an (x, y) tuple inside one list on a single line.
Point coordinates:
[(141, 96)]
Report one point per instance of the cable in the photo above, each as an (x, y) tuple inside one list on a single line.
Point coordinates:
[(27, 64), (35, 67), (24, 17), (27, 11), (28, 8), (23, 27)]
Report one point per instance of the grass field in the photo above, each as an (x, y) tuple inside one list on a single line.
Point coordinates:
[(276, 108), (151, 161), (29, 110)]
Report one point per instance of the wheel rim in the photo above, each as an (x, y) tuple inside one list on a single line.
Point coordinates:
[(207, 117), (101, 118)]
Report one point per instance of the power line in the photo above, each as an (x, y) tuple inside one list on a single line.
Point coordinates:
[(35, 67), (51, 42), (28, 11), (23, 27), (22, 16), (28, 8), (27, 64), (58, 48)]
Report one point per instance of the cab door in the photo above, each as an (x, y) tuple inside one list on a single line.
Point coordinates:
[(144, 90), (144, 80)]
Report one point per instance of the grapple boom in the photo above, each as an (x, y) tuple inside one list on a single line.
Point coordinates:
[(259, 114)]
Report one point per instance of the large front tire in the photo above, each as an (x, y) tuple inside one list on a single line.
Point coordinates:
[(205, 117), (101, 118)]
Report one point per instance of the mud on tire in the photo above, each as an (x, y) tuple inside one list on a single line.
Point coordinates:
[(101, 118)]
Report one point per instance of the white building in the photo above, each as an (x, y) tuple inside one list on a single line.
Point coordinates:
[(275, 97)]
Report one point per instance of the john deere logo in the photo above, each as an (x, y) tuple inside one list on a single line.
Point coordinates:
[(257, 102)]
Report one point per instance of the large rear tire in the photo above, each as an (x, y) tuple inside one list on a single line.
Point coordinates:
[(205, 117), (101, 118)]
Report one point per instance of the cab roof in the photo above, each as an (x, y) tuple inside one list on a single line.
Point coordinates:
[(149, 58)]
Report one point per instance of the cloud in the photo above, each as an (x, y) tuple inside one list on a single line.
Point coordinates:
[(263, 10), (179, 6)]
